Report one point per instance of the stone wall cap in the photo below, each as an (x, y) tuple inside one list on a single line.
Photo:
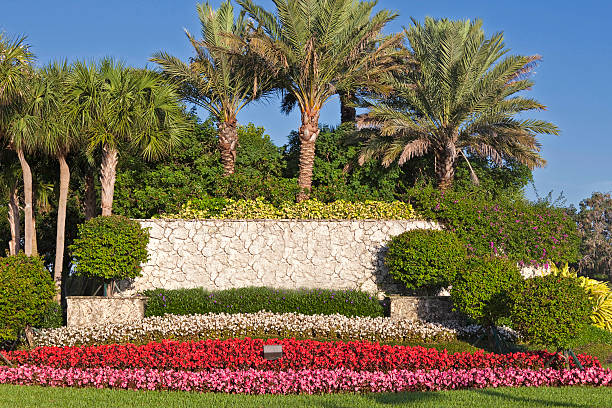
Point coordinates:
[(108, 298), (393, 297), (285, 219)]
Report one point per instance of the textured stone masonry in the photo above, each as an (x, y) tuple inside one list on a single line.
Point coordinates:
[(99, 310), (222, 254)]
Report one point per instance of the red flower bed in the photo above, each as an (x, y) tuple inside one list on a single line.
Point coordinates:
[(298, 355)]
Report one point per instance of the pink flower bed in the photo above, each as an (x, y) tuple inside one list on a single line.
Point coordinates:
[(300, 381), (298, 355)]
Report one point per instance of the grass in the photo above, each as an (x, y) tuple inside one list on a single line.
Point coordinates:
[(42, 397)]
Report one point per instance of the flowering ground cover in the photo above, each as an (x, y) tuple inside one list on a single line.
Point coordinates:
[(301, 381), (246, 353), (222, 325)]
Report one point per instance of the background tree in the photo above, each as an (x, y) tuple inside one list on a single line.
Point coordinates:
[(222, 77), (459, 100), (115, 104), (595, 226), (316, 48), (15, 60)]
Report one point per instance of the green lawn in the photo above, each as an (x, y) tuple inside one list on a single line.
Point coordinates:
[(571, 397)]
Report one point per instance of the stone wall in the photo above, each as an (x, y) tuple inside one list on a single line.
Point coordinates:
[(95, 310), (423, 308), (222, 254)]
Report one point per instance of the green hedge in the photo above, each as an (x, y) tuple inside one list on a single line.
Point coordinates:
[(527, 232), (259, 208), (425, 259), (251, 300), (26, 288)]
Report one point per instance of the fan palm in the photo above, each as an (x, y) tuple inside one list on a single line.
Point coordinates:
[(315, 48), (113, 104), (15, 60), (58, 139), (223, 76), (461, 99)]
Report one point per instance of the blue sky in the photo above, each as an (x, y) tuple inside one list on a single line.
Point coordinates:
[(573, 79)]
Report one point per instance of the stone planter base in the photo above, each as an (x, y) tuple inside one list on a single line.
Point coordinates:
[(94, 310), (423, 308)]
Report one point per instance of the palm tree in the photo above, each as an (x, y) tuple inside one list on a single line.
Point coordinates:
[(15, 60), (317, 47), (58, 139), (114, 104), (10, 177), (461, 99), (223, 76)]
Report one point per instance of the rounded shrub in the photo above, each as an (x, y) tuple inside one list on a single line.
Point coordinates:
[(26, 288), (425, 259), (483, 289), (550, 311), (110, 248)]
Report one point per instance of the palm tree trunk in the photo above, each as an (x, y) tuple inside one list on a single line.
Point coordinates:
[(34, 238), (60, 236), (14, 221), (228, 141), (308, 136), (27, 198), (445, 166), (347, 113), (108, 175), (90, 195)]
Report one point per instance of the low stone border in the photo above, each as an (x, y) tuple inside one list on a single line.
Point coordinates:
[(96, 310), (423, 308)]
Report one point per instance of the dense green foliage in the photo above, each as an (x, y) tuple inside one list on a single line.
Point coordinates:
[(595, 226), (309, 209), (51, 317), (250, 300), (482, 289), (550, 310), (526, 232), (110, 248), (26, 288), (425, 259)]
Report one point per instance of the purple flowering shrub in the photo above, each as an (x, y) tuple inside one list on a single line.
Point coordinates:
[(525, 232)]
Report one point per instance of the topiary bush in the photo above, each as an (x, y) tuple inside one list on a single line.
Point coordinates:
[(26, 288), (482, 290), (425, 259), (259, 208), (255, 299), (110, 248), (550, 311)]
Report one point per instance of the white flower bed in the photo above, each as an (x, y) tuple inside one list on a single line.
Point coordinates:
[(252, 324)]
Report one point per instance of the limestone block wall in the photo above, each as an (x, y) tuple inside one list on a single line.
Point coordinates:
[(98, 310), (222, 254)]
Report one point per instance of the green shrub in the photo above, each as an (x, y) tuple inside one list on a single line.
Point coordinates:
[(251, 300), (309, 209), (550, 311), (26, 288), (525, 232), (51, 317), (482, 290), (425, 259), (110, 248)]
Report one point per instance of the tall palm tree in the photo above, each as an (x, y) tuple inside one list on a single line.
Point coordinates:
[(460, 100), (15, 60), (115, 104), (59, 137), (223, 76), (317, 47)]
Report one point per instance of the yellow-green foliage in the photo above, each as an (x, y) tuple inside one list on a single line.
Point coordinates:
[(309, 209), (599, 293)]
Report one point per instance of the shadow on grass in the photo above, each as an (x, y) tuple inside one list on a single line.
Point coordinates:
[(540, 402)]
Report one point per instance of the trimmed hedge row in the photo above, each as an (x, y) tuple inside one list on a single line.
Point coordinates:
[(251, 300), (259, 208)]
